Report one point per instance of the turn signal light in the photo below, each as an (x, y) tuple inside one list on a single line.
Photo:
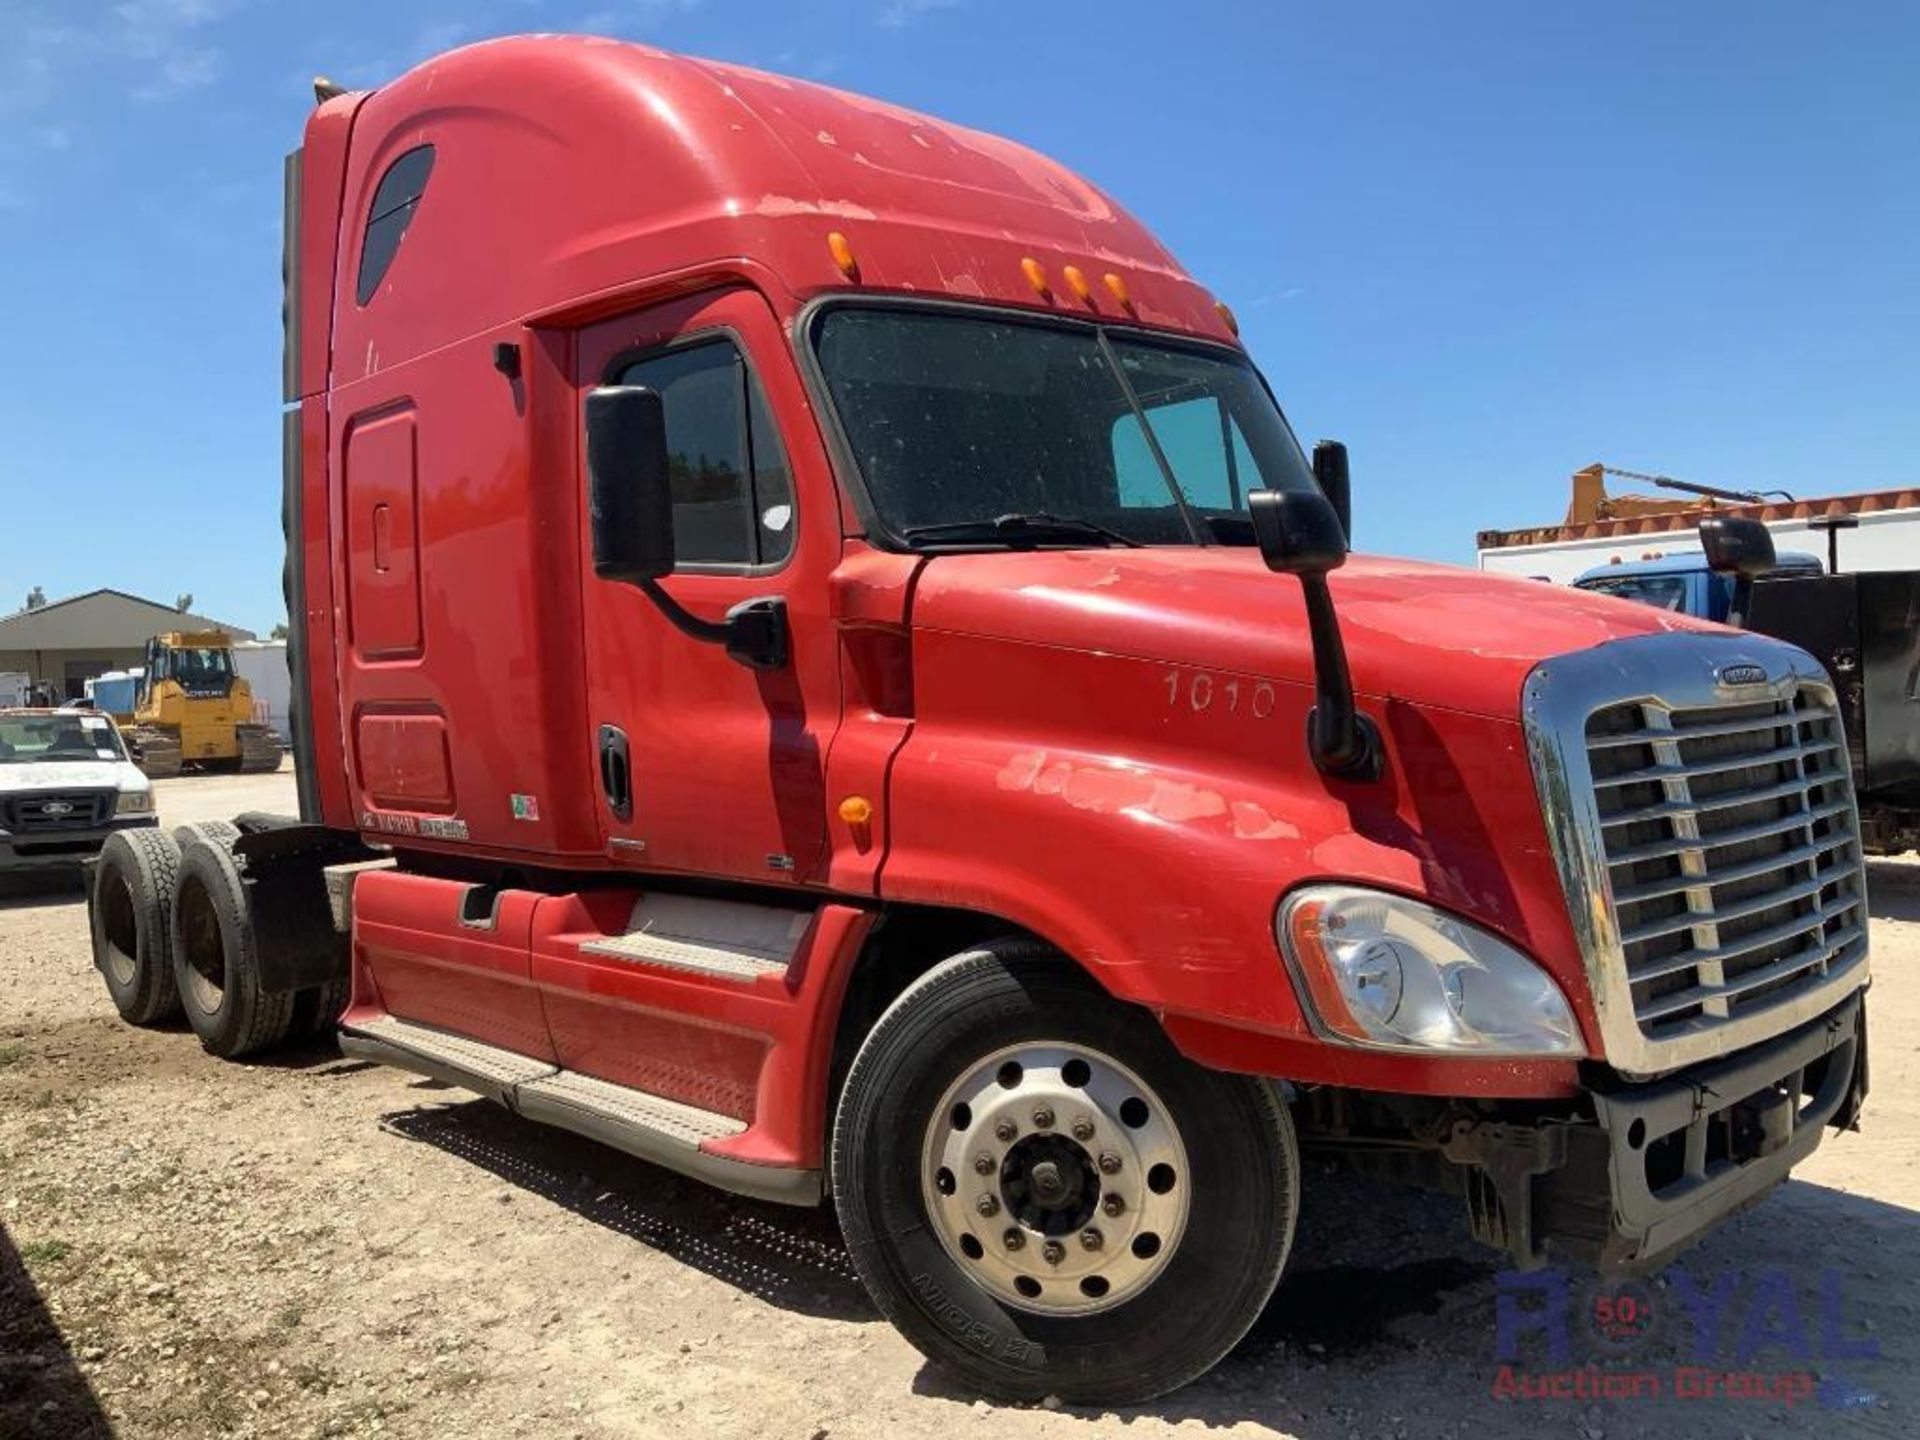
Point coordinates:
[(856, 810), (842, 254)]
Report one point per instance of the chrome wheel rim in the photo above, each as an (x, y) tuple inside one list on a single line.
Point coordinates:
[(1055, 1178)]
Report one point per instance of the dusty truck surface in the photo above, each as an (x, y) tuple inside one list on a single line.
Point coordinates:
[(820, 663)]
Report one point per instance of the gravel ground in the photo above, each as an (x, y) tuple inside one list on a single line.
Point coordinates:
[(305, 1246)]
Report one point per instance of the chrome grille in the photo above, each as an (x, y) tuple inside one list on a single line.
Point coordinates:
[(40, 811), (1706, 836), (1731, 852)]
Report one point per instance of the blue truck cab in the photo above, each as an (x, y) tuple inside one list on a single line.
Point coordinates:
[(1682, 581)]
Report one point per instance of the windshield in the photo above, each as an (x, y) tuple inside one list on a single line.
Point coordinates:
[(955, 418), (196, 667), (1666, 592), (30, 739)]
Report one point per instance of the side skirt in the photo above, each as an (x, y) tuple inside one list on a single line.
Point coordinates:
[(663, 1132)]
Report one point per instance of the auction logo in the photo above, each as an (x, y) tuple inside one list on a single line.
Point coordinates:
[(1743, 1334)]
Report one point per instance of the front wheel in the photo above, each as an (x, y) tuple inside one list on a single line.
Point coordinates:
[(1044, 1196)]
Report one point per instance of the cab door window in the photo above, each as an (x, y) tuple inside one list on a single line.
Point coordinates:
[(732, 491)]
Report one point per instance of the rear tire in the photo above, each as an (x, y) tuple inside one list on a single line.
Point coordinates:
[(1053, 1292), (317, 1011), (130, 911), (216, 961), (219, 833)]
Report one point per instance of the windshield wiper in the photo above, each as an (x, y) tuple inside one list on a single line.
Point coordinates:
[(1015, 526)]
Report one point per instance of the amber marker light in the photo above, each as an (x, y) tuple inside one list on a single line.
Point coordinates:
[(842, 254), (856, 810), (1225, 312), (1036, 274), (1117, 288), (1077, 282), (1305, 929)]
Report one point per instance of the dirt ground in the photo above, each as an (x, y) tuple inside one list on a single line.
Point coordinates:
[(310, 1247)]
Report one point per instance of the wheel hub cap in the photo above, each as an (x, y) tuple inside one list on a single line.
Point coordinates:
[(1055, 1178)]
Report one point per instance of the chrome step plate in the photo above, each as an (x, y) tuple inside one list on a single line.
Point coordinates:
[(668, 1119), (725, 940), (453, 1058)]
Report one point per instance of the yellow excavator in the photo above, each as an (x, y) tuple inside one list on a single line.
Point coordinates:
[(192, 708)]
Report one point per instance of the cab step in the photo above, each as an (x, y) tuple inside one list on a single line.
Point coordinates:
[(651, 1127), (724, 940), (452, 1059)]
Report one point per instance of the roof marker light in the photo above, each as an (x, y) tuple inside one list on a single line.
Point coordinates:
[(1036, 276), (842, 253), (1117, 288), (1227, 318), (1077, 282)]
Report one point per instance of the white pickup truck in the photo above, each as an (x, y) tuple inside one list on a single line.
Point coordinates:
[(66, 784)]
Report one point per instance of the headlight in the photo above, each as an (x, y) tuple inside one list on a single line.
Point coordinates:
[(135, 802), (1387, 972)]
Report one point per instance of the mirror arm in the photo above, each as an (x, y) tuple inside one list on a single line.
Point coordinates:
[(1741, 603), (710, 632), (1343, 742), (754, 632)]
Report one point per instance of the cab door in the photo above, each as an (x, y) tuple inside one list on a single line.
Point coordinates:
[(706, 766)]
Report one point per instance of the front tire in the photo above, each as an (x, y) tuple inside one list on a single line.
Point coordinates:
[(1045, 1196)]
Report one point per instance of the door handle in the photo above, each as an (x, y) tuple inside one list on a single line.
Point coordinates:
[(616, 772)]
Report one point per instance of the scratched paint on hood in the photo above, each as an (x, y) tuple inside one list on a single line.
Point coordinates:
[(1122, 789)]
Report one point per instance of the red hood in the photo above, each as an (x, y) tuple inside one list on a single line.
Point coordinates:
[(1430, 634)]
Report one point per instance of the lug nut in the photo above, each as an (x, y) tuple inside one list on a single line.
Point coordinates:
[(1082, 1128), (1109, 1163), (1091, 1239), (1113, 1205), (1014, 1238), (1004, 1131), (1043, 1118), (987, 1205), (1053, 1252), (983, 1164)]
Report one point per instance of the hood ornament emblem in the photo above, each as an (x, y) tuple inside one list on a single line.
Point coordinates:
[(1730, 676)]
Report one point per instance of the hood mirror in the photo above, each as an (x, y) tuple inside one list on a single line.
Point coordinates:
[(1741, 548), (1330, 474), (1300, 534)]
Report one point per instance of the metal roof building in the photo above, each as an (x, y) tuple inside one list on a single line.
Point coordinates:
[(65, 642)]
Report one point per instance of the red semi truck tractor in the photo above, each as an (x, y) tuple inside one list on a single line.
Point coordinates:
[(820, 663)]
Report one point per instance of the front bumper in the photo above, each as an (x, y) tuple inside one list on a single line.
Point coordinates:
[(1660, 1164), (48, 848)]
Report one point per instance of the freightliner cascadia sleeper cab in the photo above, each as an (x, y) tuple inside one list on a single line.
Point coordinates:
[(819, 662)]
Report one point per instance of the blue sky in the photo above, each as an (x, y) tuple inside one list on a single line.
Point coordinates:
[(1485, 244)]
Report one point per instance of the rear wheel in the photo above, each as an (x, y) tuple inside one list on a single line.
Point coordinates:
[(216, 960), (219, 833), (130, 909), (317, 1010), (1045, 1196)]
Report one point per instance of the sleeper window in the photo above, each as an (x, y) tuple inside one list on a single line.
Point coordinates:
[(394, 202), (732, 496)]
